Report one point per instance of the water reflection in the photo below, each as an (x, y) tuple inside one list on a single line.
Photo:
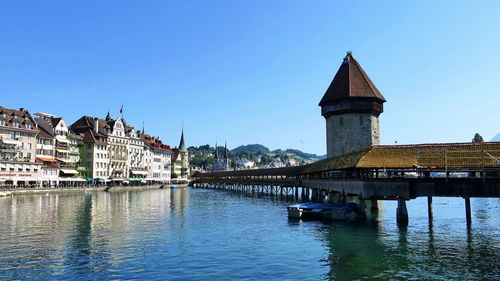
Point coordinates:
[(208, 235), (437, 250)]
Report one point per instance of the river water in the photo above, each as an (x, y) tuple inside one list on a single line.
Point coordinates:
[(195, 234)]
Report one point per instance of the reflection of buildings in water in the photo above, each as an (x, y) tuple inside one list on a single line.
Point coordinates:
[(180, 200)]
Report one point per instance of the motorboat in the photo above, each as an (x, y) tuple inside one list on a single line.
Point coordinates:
[(327, 211)]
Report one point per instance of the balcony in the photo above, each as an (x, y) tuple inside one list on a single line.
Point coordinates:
[(62, 146)]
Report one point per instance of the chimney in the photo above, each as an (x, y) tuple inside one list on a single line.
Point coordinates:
[(96, 124)]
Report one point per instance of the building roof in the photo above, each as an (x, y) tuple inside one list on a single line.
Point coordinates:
[(55, 121), (155, 143), (86, 126), (351, 81), (45, 127), (423, 156), (454, 157), (22, 116), (182, 145), (283, 171)]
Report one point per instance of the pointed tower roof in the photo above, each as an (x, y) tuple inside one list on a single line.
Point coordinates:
[(182, 145), (351, 81), (216, 156), (108, 117), (225, 150)]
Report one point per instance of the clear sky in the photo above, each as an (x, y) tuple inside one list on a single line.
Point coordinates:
[(254, 71)]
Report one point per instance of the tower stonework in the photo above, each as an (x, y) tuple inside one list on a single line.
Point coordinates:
[(351, 107)]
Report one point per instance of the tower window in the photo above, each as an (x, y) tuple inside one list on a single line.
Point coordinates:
[(341, 121), (361, 120)]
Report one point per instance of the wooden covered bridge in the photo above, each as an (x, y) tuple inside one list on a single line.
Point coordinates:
[(382, 172)]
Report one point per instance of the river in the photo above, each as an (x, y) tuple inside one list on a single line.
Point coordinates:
[(196, 234)]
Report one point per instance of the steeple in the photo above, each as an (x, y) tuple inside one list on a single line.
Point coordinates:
[(108, 117), (225, 150), (182, 145), (216, 156)]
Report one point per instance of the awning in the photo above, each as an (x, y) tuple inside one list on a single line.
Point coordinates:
[(62, 140), (116, 179), (69, 171), (101, 179), (77, 179), (71, 179), (65, 160), (139, 172), (14, 142), (62, 150), (46, 159)]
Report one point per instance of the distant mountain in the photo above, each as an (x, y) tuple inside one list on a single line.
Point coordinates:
[(298, 153), (262, 150), (251, 148), (203, 156), (496, 138)]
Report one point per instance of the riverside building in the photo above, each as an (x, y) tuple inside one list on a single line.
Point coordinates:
[(18, 131), (94, 155), (118, 143), (136, 155), (56, 150), (158, 159)]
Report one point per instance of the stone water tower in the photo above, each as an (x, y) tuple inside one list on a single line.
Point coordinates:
[(351, 107)]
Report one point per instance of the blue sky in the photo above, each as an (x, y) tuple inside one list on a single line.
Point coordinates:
[(254, 71)]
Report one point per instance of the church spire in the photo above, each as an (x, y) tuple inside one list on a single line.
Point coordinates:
[(225, 150), (108, 116), (216, 156), (182, 145)]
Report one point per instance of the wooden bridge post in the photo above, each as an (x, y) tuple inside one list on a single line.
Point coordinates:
[(467, 212), (374, 206), (402, 212), (429, 207), (314, 192), (362, 208)]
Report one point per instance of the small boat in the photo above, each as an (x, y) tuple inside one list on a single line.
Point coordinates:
[(327, 211)]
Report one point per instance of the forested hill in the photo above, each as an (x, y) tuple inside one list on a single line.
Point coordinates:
[(203, 156)]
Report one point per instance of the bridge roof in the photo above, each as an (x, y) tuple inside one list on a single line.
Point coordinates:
[(285, 171), (426, 156), (454, 156)]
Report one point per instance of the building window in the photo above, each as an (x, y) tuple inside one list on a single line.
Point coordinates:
[(341, 121), (361, 120)]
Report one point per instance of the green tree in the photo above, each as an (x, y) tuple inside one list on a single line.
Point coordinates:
[(477, 138)]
